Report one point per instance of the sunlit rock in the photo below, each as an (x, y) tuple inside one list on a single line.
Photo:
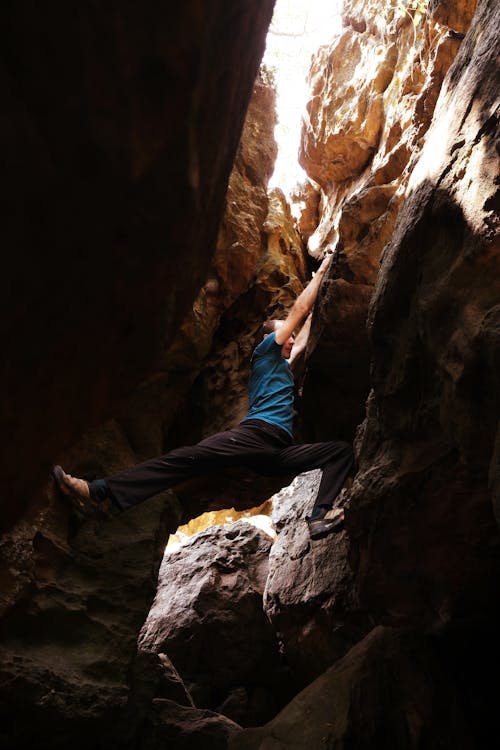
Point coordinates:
[(428, 550), (305, 207), (380, 81)]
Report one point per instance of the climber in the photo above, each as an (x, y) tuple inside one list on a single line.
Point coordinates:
[(262, 441)]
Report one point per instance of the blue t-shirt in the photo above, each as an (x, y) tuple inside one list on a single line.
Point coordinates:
[(271, 386)]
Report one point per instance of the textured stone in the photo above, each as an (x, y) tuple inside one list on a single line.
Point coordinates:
[(210, 596), (427, 546), (305, 203), (81, 593), (379, 83), (310, 596), (389, 691)]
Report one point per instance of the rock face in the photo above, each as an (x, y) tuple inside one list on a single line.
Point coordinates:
[(210, 597), (386, 692), (70, 627), (427, 546), (120, 136), (310, 596), (373, 93)]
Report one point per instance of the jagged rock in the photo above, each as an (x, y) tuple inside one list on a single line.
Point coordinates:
[(310, 596), (69, 634), (427, 546), (344, 117), (120, 133), (210, 597), (389, 691)]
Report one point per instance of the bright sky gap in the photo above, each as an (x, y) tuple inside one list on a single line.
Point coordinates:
[(298, 29)]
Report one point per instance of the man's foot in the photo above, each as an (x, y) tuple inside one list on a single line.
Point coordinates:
[(321, 527), (76, 490)]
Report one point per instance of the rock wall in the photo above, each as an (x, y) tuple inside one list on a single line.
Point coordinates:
[(144, 198), (121, 130), (427, 447), (373, 93)]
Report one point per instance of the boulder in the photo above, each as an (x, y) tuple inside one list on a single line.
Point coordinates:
[(208, 618)]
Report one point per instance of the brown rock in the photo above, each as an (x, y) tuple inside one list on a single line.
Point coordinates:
[(305, 200), (427, 545), (150, 411), (390, 61)]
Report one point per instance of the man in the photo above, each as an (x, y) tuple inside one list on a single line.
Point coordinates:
[(262, 441)]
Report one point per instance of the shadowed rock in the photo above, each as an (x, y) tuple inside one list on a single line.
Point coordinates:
[(389, 691)]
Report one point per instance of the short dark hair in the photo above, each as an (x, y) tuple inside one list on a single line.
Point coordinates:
[(269, 325)]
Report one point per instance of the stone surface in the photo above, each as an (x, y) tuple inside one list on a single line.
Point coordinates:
[(210, 597), (424, 535), (389, 691), (120, 133), (373, 93), (305, 200), (310, 596), (76, 599), (186, 728)]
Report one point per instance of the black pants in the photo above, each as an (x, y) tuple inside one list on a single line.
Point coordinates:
[(255, 444)]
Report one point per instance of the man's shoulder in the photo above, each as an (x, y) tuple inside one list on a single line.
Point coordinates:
[(267, 345)]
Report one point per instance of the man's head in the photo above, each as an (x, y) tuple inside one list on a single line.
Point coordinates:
[(271, 326)]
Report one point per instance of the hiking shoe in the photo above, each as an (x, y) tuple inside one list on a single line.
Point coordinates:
[(321, 527), (76, 490)]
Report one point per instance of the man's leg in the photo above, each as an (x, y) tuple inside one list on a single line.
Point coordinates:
[(243, 445), (336, 459)]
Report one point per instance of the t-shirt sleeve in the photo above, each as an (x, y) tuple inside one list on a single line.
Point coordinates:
[(267, 345)]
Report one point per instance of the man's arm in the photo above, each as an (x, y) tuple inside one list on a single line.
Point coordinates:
[(300, 342), (302, 304)]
